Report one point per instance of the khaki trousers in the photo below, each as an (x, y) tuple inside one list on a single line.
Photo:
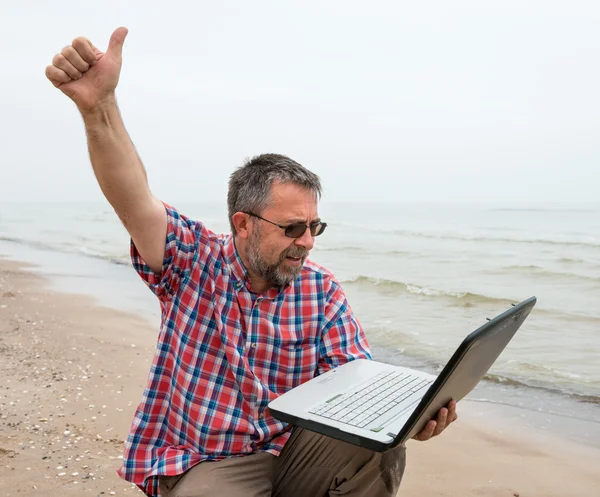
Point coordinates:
[(311, 465)]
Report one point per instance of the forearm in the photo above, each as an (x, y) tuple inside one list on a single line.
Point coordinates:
[(116, 164)]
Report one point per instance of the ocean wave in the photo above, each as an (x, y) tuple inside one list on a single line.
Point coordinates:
[(343, 248), (520, 383), (572, 260), (544, 209), (493, 239), (481, 238), (462, 299), (467, 299), (30, 243), (70, 248), (531, 377), (362, 250), (543, 272), (584, 263)]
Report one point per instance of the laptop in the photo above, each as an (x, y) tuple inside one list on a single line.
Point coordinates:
[(379, 406)]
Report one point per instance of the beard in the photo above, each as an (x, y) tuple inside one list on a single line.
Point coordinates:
[(275, 274)]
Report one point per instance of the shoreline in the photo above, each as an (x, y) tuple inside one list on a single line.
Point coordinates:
[(74, 371)]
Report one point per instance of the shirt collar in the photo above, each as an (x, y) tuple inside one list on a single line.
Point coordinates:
[(234, 261)]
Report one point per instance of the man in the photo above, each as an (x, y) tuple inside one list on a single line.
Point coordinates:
[(245, 317)]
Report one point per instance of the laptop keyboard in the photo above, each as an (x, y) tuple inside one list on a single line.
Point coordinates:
[(359, 407)]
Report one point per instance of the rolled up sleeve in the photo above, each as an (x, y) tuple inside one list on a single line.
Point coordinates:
[(187, 243)]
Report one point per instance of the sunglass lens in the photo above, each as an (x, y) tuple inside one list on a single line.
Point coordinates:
[(317, 229), (295, 230)]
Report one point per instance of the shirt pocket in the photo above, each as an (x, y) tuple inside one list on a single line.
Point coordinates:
[(298, 363), (297, 352), (287, 353)]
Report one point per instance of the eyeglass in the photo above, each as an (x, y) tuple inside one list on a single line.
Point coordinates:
[(296, 230)]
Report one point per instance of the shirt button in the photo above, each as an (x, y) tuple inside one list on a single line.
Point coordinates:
[(261, 415), (254, 345)]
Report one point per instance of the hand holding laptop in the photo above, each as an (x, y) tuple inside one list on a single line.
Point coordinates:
[(433, 428)]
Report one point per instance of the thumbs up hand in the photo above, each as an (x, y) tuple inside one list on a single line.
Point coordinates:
[(85, 74)]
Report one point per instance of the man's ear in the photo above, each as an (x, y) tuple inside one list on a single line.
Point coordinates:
[(241, 222)]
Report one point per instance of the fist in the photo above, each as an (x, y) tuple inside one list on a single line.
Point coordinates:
[(84, 73)]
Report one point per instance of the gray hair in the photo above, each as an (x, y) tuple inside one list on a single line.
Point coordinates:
[(250, 184)]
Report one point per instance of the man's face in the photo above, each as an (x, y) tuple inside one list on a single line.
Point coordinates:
[(273, 256)]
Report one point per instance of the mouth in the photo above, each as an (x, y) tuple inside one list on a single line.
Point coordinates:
[(294, 260)]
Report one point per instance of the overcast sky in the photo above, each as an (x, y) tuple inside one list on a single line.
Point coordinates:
[(431, 100)]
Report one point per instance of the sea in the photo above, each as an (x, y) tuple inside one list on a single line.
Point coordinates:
[(418, 276)]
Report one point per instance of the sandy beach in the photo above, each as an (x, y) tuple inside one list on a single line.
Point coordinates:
[(73, 373)]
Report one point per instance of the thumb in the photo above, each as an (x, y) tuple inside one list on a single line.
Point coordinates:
[(115, 45)]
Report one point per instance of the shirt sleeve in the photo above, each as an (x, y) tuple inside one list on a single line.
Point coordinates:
[(187, 242), (343, 338)]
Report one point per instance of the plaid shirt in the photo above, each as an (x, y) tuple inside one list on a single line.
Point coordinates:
[(224, 353)]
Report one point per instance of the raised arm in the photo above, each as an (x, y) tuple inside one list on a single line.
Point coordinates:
[(89, 77)]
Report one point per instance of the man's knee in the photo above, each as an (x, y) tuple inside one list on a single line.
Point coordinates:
[(391, 468), (377, 473)]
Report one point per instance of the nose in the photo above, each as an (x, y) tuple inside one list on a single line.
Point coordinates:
[(306, 241)]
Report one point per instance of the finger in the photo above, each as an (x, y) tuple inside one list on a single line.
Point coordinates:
[(71, 54), (86, 49), (61, 62), (57, 76), (452, 415), (441, 421), (115, 45), (427, 432)]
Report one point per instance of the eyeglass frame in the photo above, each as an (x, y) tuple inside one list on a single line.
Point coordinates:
[(285, 228)]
